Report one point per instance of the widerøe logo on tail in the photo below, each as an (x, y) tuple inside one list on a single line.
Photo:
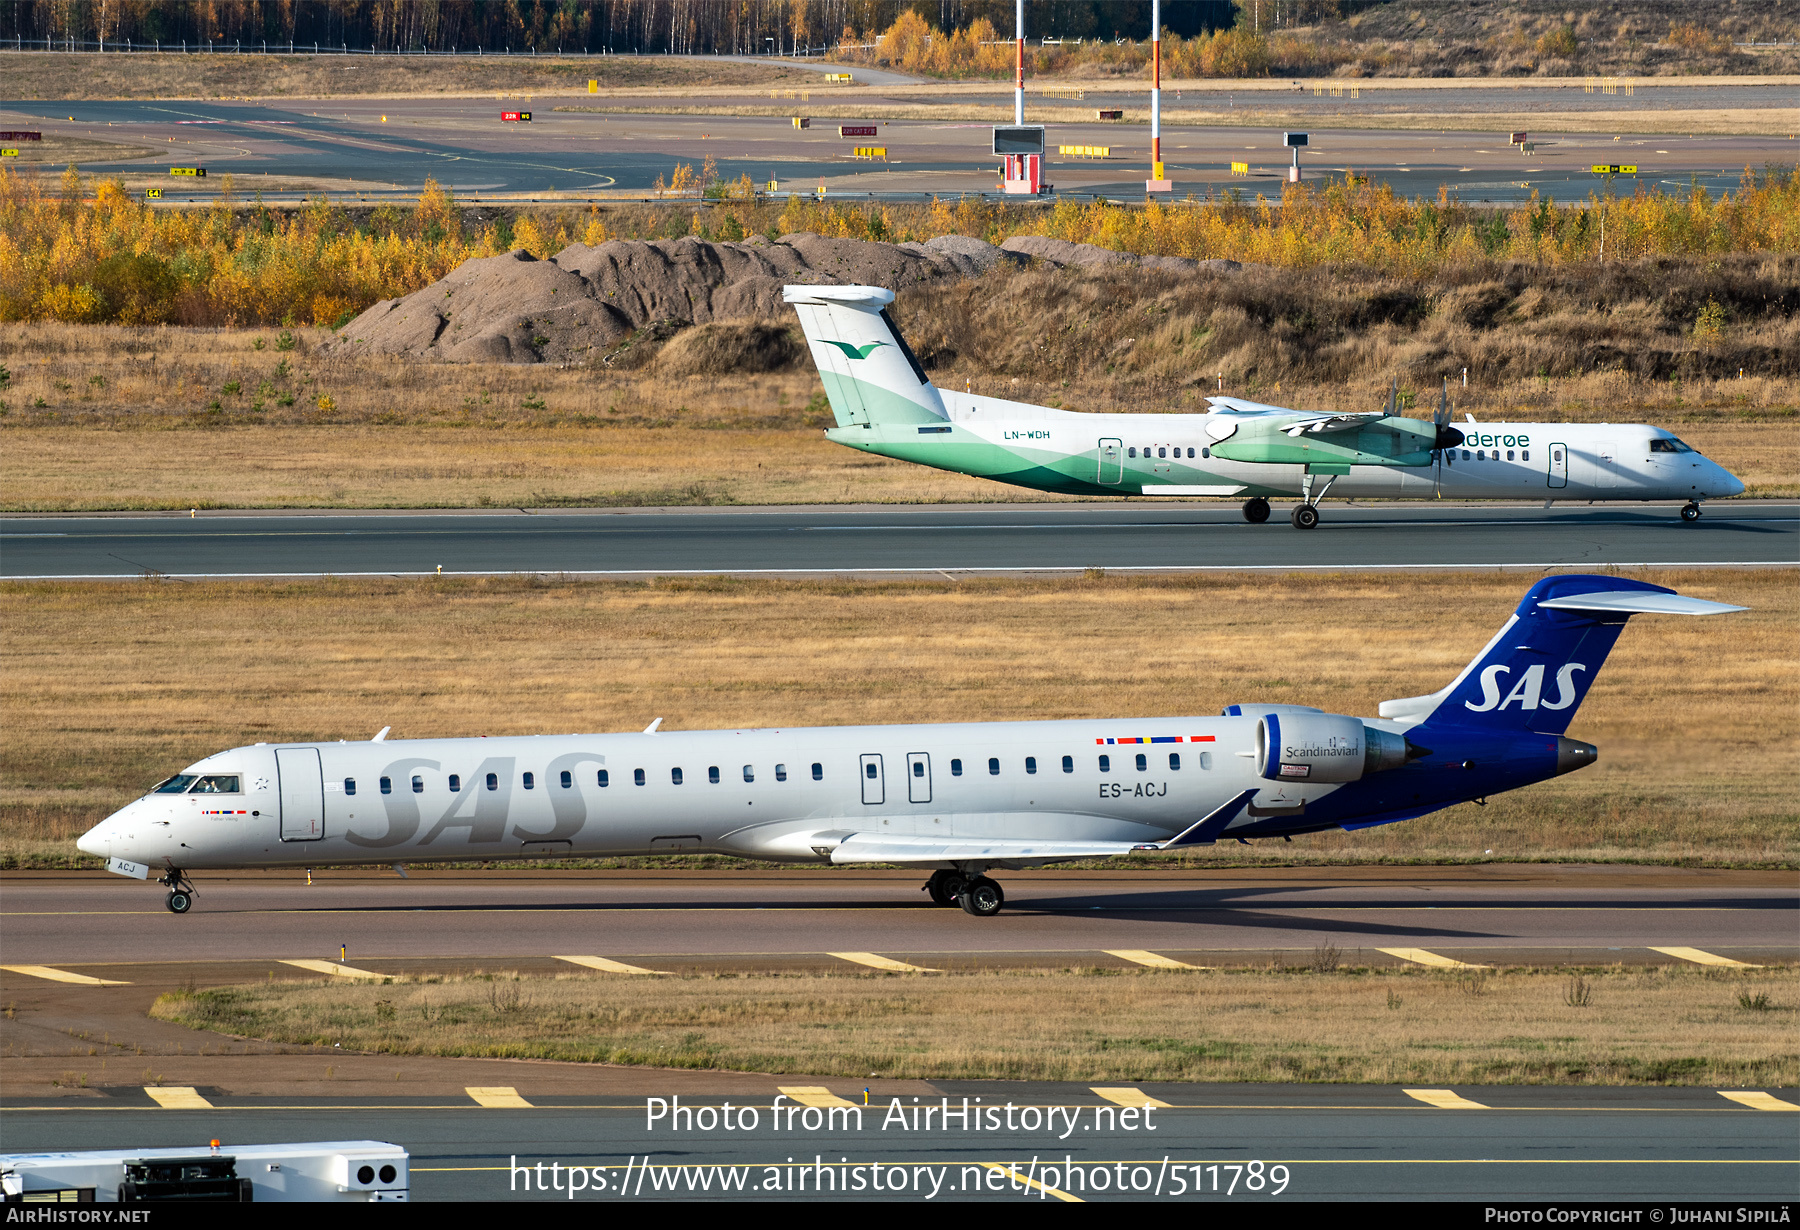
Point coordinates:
[(855, 352)]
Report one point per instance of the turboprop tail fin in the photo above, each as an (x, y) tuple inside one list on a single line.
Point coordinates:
[(869, 372), (1534, 673)]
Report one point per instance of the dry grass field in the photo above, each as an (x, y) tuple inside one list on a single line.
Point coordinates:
[(112, 417), (85, 75), (1652, 1025), (110, 688)]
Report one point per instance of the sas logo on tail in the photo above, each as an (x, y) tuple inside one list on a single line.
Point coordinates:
[(855, 352), (1527, 690)]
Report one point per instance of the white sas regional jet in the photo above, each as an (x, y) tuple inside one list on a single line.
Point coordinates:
[(961, 800), (885, 404)]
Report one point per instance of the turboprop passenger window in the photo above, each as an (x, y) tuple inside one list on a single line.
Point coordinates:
[(1162, 452), (637, 775), (530, 782), (493, 781), (217, 784), (1106, 764), (918, 768), (603, 778), (993, 766), (349, 785), (1205, 452), (1031, 764), (1190, 454), (1175, 762), (1509, 454), (781, 773), (174, 785), (712, 774), (1068, 764), (455, 784), (1131, 452), (387, 785), (568, 780), (1465, 454), (1143, 763), (868, 771), (675, 777), (1525, 455), (818, 771), (750, 773), (956, 768), (418, 784)]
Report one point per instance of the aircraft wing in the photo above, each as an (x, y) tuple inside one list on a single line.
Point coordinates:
[(1325, 424), (876, 848)]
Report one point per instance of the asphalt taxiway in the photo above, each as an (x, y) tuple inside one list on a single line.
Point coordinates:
[(894, 539)]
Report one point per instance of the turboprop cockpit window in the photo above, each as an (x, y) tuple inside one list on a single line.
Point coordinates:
[(1668, 444), (174, 785), (217, 783)]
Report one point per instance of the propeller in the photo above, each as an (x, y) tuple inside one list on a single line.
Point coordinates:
[(1447, 436)]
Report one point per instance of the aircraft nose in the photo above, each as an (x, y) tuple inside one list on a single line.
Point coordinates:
[(1733, 485), (97, 840)]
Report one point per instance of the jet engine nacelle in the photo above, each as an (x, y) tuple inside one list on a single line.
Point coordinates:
[(1325, 747)]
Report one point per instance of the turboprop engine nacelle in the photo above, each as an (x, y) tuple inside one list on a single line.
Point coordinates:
[(1326, 747)]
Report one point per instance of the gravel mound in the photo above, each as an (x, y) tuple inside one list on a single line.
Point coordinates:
[(1061, 252)]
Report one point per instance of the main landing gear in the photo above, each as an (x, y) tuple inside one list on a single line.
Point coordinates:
[(976, 894), (1256, 510), (181, 891), (1690, 511)]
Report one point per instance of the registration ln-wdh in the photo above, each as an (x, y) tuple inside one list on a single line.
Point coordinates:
[(962, 800)]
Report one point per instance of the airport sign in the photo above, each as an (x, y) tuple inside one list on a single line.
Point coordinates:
[(1615, 169)]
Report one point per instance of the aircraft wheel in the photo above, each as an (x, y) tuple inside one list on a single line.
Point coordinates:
[(1304, 517), (180, 902), (981, 897), (1690, 512), (945, 887), (1256, 511)]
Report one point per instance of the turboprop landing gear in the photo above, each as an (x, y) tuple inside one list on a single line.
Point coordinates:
[(1256, 511), (1304, 517), (181, 893), (981, 897), (1690, 511), (945, 886)]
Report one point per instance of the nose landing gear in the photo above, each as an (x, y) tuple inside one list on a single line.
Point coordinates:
[(181, 891), (1304, 516), (1690, 512)]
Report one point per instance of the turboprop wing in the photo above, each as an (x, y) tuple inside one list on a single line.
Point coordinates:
[(1327, 443)]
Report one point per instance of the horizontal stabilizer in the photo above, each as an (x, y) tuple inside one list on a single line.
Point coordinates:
[(1641, 602), (873, 296)]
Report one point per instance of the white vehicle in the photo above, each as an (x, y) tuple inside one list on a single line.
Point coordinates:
[(360, 1171), (884, 403), (961, 800)]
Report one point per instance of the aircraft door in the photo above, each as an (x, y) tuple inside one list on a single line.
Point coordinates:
[(1559, 465), (302, 793), (918, 777), (1112, 461), (874, 785)]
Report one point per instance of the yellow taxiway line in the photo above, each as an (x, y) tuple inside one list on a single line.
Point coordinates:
[(1757, 1100), (1153, 959), (875, 961), (1125, 1095), (177, 1097), (1419, 956), (1701, 957), (497, 1097), (608, 966), (1444, 1099), (62, 975), (814, 1095), (331, 967)]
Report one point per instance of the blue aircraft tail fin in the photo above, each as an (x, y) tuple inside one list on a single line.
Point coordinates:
[(1534, 673)]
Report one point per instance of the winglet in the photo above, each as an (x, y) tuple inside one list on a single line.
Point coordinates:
[(651, 728), (1208, 829), (381, 735)]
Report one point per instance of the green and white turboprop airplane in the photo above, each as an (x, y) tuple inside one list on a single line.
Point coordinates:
[(885, 403)]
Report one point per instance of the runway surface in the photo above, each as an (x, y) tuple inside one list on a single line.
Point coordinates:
[(395, 144), (1204, 1143), (888, 539), (440, 920)]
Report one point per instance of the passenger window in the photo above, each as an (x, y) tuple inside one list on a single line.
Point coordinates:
[(1143, 762), (1162, 452), (530, 782), (818, 771), (1206, 760), (637, 776), (1131, 452), (349, 785), (1175, 762), (869, 772), (918, 768), (387, 785), (750, 774), (493, 781), (1106, 764), (1031, 764), (781, 773), (418, 784), (603, 778), (1525, 455), (1509, 454), (712, 774), (993, 766), (675, 777), (956, 768), (1190, 453), (1068, 764), (1465, 454), (568, 780), (455, 784), (1206, 452)]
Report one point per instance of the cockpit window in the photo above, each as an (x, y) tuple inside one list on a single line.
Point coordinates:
[(1668, 444), (217, 783), (174, 785)]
